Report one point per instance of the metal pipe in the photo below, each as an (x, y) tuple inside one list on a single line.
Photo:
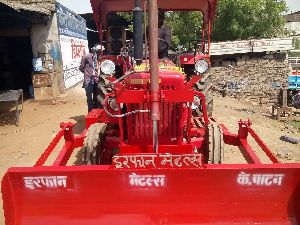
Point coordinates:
[(121, 115), (155, 136), (154, 77), (145, 26), (138, 32), (208, 35), (101, 37), (203, 37)]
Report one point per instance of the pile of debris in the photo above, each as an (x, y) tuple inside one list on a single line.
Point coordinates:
[(254, 80)]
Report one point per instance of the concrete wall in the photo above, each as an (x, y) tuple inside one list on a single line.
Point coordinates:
[(256, 80), (294, 27), (45, 39)]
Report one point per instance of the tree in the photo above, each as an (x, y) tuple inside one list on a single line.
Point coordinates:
[(244, 19), (235, 19), (185, 26)]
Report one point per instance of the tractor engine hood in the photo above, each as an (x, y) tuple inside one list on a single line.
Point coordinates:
[(167, 78)]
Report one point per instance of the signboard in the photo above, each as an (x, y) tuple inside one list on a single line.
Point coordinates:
[(258, 45), (74, 43), (295, 65)]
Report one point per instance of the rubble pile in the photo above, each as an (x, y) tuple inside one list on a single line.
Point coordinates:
[(254, 80), (38, 4)]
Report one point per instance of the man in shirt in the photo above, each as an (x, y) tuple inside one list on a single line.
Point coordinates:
[(89, 67), (164, 36), (296, 100)]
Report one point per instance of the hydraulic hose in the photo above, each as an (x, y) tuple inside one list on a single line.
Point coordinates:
[(122, 115)]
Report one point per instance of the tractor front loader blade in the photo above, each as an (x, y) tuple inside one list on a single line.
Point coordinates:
[(96, 195)]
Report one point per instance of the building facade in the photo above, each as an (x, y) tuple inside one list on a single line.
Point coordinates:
[(32, 29), (293, 23)]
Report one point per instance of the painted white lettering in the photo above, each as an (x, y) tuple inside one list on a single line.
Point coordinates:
[(146, 180), (260, 179), (45, 182)]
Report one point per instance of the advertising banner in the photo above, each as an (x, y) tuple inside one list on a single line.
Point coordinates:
[(74, 43)]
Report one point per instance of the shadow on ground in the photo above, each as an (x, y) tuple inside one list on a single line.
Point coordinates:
[(79, 126), (8, 118)]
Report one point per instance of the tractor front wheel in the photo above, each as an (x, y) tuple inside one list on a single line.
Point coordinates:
[(93, 144), (102, 90), (205, 86)]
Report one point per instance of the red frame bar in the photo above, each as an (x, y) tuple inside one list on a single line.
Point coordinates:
[(43, 158), (248, 152), (263, 146), (64, 154), (239, 140)]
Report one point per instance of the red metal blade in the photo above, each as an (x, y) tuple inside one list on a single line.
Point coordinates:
[(95, 195)]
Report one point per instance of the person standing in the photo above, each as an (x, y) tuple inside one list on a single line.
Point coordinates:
[(164, 35), (296, 100), (89, 67)]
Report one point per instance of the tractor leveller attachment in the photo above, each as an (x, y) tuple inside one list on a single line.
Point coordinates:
[(149, 188), (153, 155)]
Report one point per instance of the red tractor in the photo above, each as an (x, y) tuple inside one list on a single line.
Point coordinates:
[(189, 62), (147, 159)]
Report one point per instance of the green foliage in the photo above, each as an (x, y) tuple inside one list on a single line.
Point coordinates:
[(236, 19), (297, 43), (185, 26), (244, 19), (129, 17)]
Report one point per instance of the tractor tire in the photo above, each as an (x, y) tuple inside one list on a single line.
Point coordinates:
[(215, 144), (102, 90), (93, 144), (205, 86)]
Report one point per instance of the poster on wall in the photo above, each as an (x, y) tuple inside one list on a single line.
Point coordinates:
[(74, 43)]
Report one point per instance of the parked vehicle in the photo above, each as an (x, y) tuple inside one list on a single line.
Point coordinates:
[(147, 158)]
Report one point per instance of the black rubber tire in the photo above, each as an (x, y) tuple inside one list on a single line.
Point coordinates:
[(205, 86), (93, 144), (102, 90), (215, 144)]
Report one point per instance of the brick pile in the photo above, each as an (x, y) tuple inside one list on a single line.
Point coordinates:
[(253, 80)]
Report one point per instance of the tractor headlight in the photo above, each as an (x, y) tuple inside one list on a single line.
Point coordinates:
[(196, 103), (201, 66), (107, 67), (112, 102)]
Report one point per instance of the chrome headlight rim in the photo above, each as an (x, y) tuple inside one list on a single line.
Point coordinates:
[(113, 105), (201, 66), (196, 103), (107, 67), (112, 102)]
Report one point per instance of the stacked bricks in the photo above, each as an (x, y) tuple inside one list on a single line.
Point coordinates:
[(256, 80)]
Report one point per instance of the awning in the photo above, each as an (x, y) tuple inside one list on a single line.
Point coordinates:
[(18, 6)]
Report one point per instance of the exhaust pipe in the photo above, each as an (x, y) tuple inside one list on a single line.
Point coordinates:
[(154, 78), (138, 32)]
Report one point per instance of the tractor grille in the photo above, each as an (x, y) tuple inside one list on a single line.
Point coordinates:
[(139, 127)]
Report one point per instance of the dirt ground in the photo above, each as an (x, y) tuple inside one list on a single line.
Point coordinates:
[(39, 123)]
